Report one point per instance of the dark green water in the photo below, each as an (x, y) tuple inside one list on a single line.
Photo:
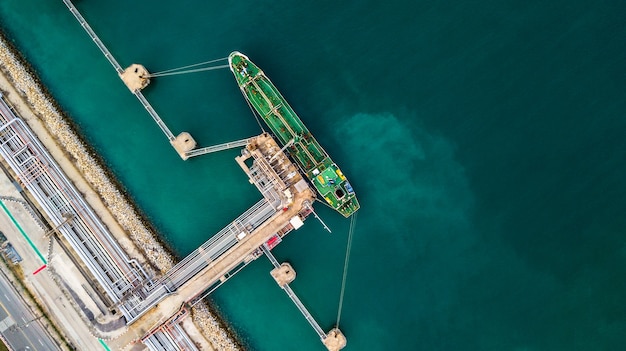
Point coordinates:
[(485, 141)]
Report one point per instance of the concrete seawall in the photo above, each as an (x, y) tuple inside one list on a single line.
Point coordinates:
[(85, 170)]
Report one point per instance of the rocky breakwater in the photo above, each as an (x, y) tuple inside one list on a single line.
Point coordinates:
[(40, 102)]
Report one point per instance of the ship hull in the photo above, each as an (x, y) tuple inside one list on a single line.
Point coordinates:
[(269, 104)]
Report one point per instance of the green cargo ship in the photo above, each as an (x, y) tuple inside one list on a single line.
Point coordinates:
[(314, 162)]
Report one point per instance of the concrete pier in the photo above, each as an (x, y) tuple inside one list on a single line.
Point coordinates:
[(221, 256), (335, 340), (166, 307), (135, 77), (284, 274), (183, 143)]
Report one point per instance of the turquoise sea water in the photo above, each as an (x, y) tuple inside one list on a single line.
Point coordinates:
[(485, 141)]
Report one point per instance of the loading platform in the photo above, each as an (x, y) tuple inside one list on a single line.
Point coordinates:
[(286, 203)]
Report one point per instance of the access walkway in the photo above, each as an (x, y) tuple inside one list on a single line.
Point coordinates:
[(292, 295), (118, 68)]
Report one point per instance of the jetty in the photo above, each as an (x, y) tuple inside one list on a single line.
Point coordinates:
[(154, 306)]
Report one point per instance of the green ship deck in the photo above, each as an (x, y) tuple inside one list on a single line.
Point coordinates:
[(314, 162)]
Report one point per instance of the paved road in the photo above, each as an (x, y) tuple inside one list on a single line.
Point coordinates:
[(18, 324)]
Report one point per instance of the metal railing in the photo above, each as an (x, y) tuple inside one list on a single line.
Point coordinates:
[(218, 244), (93, 36), (216, 148), (155, 116), (292, 295), (118, 68)]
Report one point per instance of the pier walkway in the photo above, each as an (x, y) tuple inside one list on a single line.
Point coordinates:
[(228, 251), (136, 77), (198, 260), (292, 295), (93, 36), (118, 68), (216, 148), (155, 116), (228, 262)]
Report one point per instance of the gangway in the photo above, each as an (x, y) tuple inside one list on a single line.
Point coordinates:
[(216, 148)]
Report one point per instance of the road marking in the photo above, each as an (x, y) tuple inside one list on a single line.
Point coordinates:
[(6, 297), (22, 231), (40, 342), (5, 309), (40, 269), (104, 345)]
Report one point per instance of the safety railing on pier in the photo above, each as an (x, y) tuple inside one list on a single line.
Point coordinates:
[(216, 148), (218, 244), (155, 116), (200, 258), (292, 295), (270, 256), (93, 36), (118, 68)]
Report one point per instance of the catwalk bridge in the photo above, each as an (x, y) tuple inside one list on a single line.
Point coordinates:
[(136, 77)]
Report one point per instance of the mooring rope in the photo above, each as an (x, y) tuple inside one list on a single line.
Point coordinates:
[(254, 113), (153, 75), (189, 66), (345, 266)]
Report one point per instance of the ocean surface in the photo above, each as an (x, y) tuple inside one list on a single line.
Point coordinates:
[(486, 141)]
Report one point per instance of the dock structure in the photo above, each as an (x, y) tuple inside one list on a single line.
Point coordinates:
[(93, 36), (155, 116), (292, 295), (217, 148), (149, 304), (283, 209)]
